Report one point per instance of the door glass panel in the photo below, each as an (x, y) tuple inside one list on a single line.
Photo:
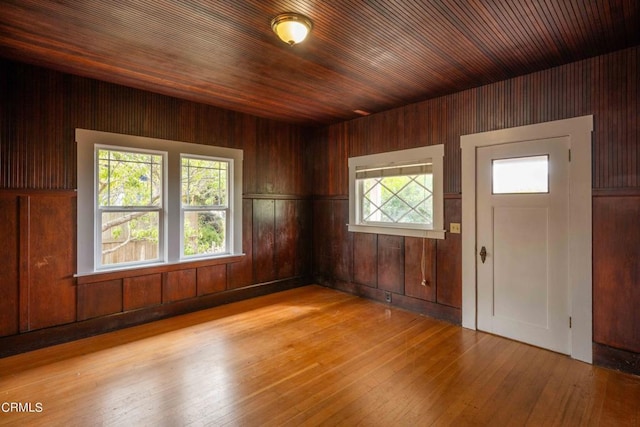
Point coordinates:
[(521, 175)]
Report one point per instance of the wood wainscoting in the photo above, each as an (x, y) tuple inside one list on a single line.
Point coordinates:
[(309, 356), (42, 302)]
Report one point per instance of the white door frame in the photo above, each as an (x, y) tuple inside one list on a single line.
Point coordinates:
[(578, 130)]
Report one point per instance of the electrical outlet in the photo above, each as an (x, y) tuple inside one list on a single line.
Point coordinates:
[(454, 227), (387, 296)]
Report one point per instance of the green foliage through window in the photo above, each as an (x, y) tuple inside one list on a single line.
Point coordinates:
[(403, 199), (129, 179), (205, 198), (129, 193)]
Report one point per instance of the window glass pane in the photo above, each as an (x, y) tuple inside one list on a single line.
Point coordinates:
[(129, 237), (397, 199), (129, 179), (521, 175), (205, 232), (204, 182)]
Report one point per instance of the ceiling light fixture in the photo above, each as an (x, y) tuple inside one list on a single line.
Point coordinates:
[(292, 28)]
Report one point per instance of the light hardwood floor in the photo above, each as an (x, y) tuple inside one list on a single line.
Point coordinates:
[(310, 356)]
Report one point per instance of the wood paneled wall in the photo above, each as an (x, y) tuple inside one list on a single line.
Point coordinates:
[(606, 87), (39, 111)]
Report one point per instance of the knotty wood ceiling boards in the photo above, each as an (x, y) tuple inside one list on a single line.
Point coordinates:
[(366, 55)]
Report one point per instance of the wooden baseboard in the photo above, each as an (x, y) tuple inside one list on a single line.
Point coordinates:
[(416, 305), (21, 343), (614, 358)]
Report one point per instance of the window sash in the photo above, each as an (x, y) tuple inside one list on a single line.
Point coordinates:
[(420, 159), (228, 183), (428, 201), (99, 247), (101, 209), (227, 230), (223, 194), (109, 183)]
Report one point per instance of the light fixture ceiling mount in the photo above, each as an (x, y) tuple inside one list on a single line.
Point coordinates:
[(292, 28)]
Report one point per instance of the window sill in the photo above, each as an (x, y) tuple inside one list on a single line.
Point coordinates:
[(121, 273), (397, 231)]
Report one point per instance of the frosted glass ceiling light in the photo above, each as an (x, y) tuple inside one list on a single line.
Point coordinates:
[(292, 28)]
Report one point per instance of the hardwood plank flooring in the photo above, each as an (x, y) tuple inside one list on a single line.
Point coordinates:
[(309, 356)]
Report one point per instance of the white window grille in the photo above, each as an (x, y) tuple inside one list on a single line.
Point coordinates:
[(398, 193)]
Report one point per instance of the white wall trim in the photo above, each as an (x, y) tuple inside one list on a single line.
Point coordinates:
[(578, 130), (433, 152)]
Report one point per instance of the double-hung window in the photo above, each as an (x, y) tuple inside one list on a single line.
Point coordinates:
[(205, 205), (129, 205), (146, 201), (398, 193)]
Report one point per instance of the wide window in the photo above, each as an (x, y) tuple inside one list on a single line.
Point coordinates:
[(146, 201), (398, 193)]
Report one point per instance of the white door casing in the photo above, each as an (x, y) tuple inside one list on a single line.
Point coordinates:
[(522, 284), (577, 132)]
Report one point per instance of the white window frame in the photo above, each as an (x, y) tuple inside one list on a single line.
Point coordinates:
[(98, 211), (171, 250), (431, 153), (225, 209)]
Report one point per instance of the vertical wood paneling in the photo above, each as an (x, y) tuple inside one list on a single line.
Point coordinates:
[(24, 256), (246, 135), (391, 263), (292, 238), (365, 259), (377, 133), (327, 159), (304, 241), (9, 273), (286, 238), (51, 260), (33, 153), (211, 279), (416, 128), (178, 285), (616, 272), (142, 291), (322, 225), (279, 158), (264, 240), (449, 258), (99, 299), (41, 108), (37, 149), (341, 241), (241, 273)]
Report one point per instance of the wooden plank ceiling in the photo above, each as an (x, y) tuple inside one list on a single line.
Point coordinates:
[(361, 55)]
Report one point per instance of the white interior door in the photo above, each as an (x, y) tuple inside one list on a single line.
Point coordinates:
[(522, 241)]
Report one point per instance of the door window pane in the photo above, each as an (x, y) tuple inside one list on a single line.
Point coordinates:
[(522, 175)]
